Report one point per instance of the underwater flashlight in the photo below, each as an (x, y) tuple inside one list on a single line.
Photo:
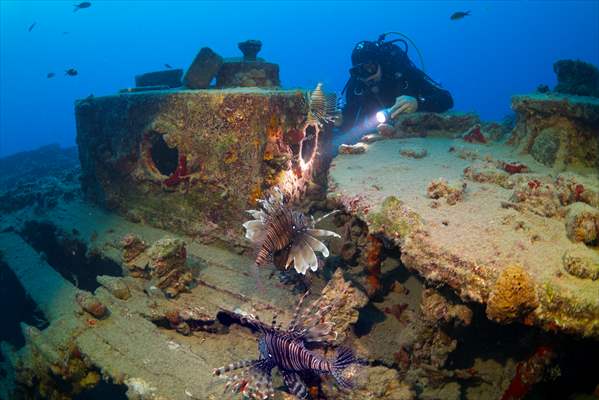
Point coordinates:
[(383, 115)]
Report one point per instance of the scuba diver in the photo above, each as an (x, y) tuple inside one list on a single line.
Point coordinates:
[(383, 77)]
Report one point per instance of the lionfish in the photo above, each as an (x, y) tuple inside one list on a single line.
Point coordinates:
[(323, 107), (276, 228), (286, 350)]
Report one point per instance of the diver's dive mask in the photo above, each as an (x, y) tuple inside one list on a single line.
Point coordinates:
[(363, 71), (364, 75)]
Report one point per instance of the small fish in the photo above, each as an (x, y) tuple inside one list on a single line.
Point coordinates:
[(85, 4), (71, 72), (65, 33), (168, 66), (50, 75), (31, 27), (459, 15)]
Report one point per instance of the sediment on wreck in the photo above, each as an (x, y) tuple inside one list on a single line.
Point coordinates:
[(504, 208)]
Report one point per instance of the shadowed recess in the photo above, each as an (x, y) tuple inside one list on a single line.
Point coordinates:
[(164, 158), (68, 255), (16, 307)]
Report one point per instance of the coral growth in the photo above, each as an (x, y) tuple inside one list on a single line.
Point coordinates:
[(582, 223), (439, 188), (374, 247), (576, 77), (89, 303), (514, 167), (180, 175), (344, 301), (537, 197), (581, 264), (528, 373), (513, 296), (394, 219), (437, 310), (474, 135)]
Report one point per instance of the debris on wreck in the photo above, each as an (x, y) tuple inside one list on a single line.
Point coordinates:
[(559, 131), (115, 285), (90, 304), (358, 148), (163, 263), (276, 227), (413, 152), (285, 349)]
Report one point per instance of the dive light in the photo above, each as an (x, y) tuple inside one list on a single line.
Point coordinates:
[(383, 116)]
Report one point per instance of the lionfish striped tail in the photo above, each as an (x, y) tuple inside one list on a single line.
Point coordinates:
[(345, 357)]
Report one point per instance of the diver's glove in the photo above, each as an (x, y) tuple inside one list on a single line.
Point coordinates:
[(403, 105)]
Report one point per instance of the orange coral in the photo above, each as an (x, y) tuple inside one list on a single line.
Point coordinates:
[(513, 295)]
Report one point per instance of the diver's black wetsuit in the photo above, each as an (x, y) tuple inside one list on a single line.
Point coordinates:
[(399, 77)]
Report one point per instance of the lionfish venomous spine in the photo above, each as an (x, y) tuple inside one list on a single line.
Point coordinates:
[(276, 227), (286, 350)]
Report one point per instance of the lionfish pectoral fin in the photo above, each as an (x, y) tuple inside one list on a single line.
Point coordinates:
[(295, 385), (323, 332), (316, 245), (322, 233), (254, 382), (253, 229)]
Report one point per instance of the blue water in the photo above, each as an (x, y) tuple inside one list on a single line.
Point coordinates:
[(503, 48)]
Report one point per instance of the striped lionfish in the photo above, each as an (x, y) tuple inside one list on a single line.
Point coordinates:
[(286, 350), (278, 228), (323, 107)]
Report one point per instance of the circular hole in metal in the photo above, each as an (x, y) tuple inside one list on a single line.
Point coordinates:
[(164, 157), (309, 143)]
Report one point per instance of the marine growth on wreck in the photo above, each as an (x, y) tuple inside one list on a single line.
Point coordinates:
[(216, 234)]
